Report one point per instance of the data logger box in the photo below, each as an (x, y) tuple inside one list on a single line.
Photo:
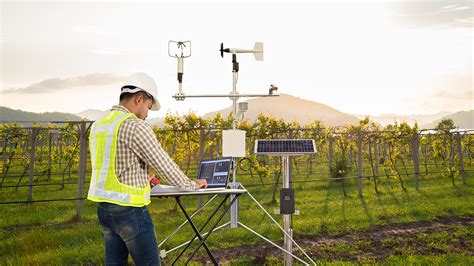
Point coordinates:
[(233, 143), (287, 201)]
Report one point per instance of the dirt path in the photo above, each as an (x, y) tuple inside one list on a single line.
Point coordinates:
[(441, 236)]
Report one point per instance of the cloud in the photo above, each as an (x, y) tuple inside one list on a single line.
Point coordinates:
[(457, 86), (125, 51), (92, 29), (451, 13), (57, 84), (454, 93), (465, 95)]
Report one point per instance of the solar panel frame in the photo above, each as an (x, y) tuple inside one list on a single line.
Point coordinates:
[(284, 146)]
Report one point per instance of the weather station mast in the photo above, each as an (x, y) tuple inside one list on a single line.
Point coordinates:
[(233, 140), (233, 145)]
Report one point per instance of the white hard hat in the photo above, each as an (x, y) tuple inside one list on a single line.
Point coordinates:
[(142, 82)]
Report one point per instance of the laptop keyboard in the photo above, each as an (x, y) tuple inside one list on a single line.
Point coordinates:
[(210, 189)]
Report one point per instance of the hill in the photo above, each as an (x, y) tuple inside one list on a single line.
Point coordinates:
[(12, 115), (387, 119), (159, 121), (92, 114), (462, 119), (291, 108)]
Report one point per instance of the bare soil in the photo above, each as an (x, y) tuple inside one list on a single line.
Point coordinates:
[(440, 236)]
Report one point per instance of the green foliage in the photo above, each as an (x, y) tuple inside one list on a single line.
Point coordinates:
[(325, 209), (188, 138), (445, 125), (341, 168)]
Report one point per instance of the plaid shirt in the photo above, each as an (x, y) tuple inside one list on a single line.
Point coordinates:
[(138, 149)]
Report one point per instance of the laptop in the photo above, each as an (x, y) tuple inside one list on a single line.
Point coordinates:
[(215, 171)]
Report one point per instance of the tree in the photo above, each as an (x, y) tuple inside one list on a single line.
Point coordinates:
[(442, 150), (445, 125)]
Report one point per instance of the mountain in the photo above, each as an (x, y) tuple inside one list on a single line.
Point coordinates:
[(159, 121), (12, 115), (92, 114), (291, 108), (462, 119), (386, 119)]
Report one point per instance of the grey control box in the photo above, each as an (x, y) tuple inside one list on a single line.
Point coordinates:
[(287, 201)]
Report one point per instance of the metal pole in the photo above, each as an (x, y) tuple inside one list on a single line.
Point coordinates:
[(201, 157), (275, 245), (290, 163), (288, 244), (186, 243), (223, 96), (185, 222), (234, 209), (277, 224)]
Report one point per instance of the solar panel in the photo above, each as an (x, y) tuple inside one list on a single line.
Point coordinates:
[(284, 146)]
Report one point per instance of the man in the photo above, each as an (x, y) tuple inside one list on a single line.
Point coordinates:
[(123, 147)]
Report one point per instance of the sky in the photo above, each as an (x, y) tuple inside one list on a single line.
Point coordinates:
[(360, 57)]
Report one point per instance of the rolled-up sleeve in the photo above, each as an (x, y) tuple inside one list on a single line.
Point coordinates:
[(150, 150)]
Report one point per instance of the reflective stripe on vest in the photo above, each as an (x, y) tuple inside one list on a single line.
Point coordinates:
[(104, 185)]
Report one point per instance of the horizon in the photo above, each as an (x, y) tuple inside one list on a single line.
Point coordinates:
[(229, 107), (359, 57)]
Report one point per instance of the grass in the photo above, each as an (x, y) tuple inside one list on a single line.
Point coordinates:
[(428, 260), (443, 259), (48, 233)]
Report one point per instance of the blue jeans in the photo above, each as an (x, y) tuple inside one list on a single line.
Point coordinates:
[(128, 230)]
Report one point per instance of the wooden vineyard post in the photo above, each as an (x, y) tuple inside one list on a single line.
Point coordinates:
[(82, 167), (376, 162), (359, 164), (330, 156), (416, 161), (461, 164), (34, 134)]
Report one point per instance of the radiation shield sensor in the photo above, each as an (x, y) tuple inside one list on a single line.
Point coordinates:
[(243, 107)]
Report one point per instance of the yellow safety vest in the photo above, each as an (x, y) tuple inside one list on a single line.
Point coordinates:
[(104, 185)]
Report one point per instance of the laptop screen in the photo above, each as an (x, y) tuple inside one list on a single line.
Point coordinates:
[(215, 171)]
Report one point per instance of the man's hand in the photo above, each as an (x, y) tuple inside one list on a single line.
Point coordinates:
[(201, 183), (153, 181)]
